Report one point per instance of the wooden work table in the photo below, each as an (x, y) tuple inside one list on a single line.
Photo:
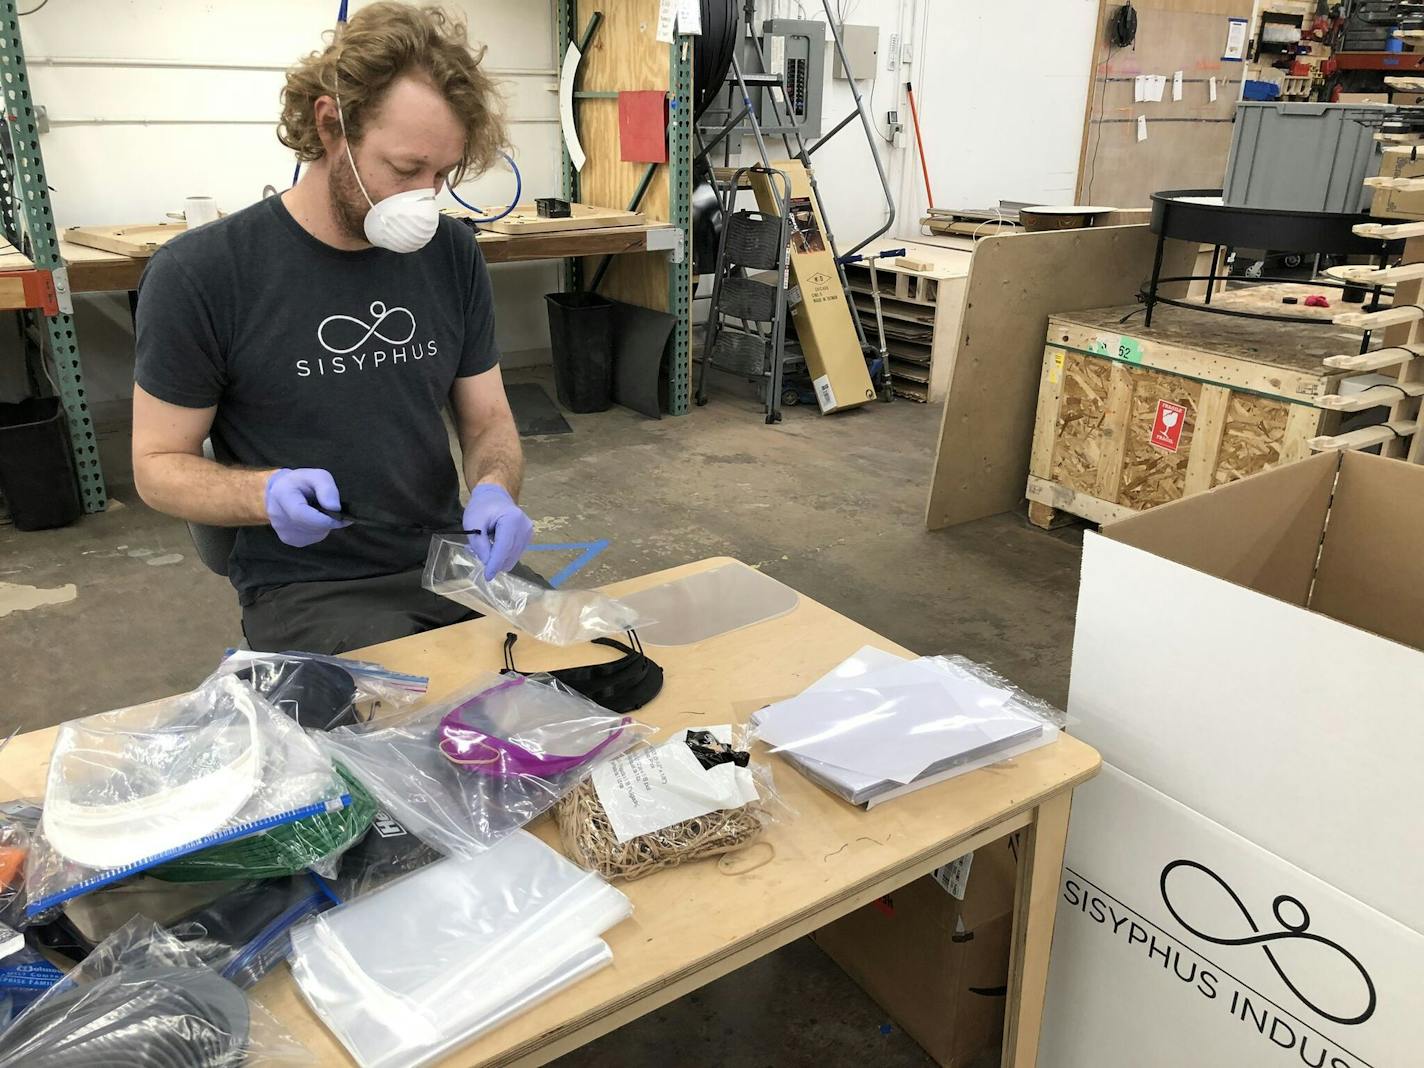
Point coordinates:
[(692, 924), (94, 270)]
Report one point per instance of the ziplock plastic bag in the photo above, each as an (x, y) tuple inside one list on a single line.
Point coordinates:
[(878, 723), (246, 932), (453, 950), (322, 692), (131, 789), (465, 772), (697, 795), (24, 976), (313, 842), (387, 852), (560, 617), (144, 999), (17, 821)]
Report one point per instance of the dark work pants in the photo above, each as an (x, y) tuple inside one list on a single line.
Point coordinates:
[(344, 614)]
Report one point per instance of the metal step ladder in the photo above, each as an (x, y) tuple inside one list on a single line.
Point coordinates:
[(761, 349), (746, 323)]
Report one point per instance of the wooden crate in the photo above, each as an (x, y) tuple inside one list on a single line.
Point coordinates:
[(1247, 390)]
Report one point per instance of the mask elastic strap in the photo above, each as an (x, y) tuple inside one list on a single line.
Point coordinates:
[(346, 141), (509, 640)]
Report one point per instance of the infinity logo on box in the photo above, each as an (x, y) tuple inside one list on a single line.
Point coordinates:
[(1297, 931)]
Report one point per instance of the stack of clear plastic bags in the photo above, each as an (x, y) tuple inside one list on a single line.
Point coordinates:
[(142, 999), (560, 617), (453, 950), (323, 692), (699, 794), (463, 773), (131, 789)]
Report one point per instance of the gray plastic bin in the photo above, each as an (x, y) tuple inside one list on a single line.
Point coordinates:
[(1302, 157)]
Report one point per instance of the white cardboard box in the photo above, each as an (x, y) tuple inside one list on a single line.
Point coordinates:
[(1179, 943), (1254, 653)]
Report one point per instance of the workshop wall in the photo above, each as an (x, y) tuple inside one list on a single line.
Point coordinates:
[(150, 101), (1001, 89)]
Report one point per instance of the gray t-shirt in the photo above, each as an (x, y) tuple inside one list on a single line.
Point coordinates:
[(316, 357)]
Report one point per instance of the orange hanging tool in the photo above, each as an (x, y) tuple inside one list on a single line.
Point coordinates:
[(919, 141)]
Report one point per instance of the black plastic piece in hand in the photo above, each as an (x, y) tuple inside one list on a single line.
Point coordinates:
[(380, 523)]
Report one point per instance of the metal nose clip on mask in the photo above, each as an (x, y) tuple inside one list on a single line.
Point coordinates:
[(402, 222)]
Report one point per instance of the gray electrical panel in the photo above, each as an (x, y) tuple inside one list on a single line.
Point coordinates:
[(796, 49), (862, 44)]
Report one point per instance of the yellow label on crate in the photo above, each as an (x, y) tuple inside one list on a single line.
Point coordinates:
[(1056, 371)]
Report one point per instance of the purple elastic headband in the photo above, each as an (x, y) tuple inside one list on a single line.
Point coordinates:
[(460, 743)]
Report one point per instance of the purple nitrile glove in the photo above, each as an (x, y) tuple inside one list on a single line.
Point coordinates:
[(288, 499), (505, 530)]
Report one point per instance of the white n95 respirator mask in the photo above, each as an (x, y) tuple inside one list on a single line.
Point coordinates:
[(402, 222)]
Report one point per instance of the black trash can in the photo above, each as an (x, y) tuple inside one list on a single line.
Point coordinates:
[(581, 336), (37, 472)]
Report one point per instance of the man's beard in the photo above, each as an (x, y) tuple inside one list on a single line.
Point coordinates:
[(348, 203)]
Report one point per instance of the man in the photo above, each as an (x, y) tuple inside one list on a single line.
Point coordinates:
[(316, 337)]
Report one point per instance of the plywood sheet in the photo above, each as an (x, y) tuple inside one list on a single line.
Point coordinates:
[(526, 219), (1153, 476), (1077, 436), (1015, 282), (139, 240), (624, 54), (1187, 140), (1253, 436)]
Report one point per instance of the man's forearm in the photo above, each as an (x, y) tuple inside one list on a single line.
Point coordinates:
[(495, 455), (203, 491)]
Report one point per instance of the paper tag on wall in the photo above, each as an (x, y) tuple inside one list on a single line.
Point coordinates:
[(1211, 89), (667, 19), (689, 17), (1139, 88), (1177, 85), (1142, 127), (954, 876), (825, 395)]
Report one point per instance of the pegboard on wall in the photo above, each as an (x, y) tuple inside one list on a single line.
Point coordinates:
[(1187, 140)]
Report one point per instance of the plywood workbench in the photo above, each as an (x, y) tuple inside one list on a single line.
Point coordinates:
[(693, 924), (94, 270)]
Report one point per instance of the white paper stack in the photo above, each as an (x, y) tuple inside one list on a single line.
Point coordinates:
[(878, 727), (453, 950)]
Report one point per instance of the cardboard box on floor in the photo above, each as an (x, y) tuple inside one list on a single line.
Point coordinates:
[(938, 966), (1255, 653), (1249, 662), (823, 323), (1399, 162)]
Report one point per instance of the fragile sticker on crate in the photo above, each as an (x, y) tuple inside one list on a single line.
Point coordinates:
[(1167, 425)]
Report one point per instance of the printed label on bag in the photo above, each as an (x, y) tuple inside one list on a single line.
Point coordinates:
[(954, 876), (653, 788), (1167, 425), (825, 395)]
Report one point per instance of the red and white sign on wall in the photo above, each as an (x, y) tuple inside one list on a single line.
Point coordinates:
[(1167, 426)]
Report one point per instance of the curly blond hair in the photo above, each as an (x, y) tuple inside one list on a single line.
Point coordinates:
[(381, 43)]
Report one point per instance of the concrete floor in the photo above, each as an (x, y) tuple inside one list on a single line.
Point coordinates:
[(831, 506)]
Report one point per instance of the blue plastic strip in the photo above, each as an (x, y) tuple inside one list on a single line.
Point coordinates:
[(242, 830), (590, 550)]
